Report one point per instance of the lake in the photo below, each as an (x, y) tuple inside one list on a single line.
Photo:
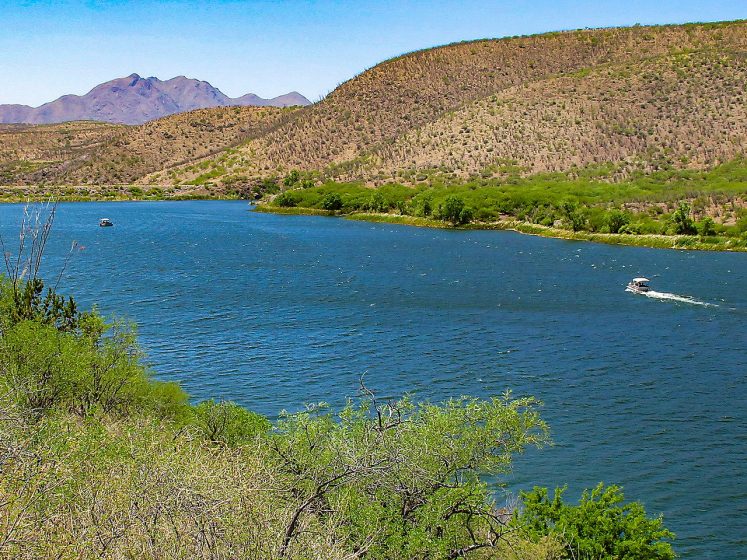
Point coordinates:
[(277, 311)]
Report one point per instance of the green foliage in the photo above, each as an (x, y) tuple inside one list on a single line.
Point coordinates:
[(268, 185), (332, 202), (228, 423), (579, 198), (54, 357), (600, 527), (292, 179), (617, 220), (24, 302), (682, 222), (286, 200), (377, 203), (453, 210), (405, 477), (575, 217), (707, 227)]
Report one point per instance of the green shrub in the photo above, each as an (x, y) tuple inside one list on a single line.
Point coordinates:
[(599, 527), (707, 227), (229, 423), (291, 180), (453, 210), (55, 357), (286, 200), (616, 220), (682, 222), (332, 202)]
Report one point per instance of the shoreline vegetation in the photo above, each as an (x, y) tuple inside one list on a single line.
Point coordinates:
[(652, 241), (711, 242), (100, 459), (671, 209)]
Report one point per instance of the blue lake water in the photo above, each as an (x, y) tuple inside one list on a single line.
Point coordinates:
[(277, 311)]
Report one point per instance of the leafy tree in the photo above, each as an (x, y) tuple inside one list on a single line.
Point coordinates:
[(600, 527), (707, 227), (269, 186), (377, 203), (574, 216), (616, 220), (682, 222), (454, 210), (286, 200), (427, 207), (332, 202), (404, 477)]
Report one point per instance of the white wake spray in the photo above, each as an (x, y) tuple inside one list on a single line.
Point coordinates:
[(675, 297)]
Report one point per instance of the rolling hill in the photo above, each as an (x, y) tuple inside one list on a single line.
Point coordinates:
[(90, 153), (466, 107)]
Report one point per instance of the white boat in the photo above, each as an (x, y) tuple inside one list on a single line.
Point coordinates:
[(105, 222), (638, 286)]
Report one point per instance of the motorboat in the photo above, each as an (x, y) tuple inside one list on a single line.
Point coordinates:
[(638, 286), (105, 222)]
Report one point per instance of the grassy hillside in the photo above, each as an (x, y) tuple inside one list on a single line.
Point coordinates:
[(687, 110), (28, 150)]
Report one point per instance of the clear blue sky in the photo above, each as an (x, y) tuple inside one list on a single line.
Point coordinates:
[(49, 48)]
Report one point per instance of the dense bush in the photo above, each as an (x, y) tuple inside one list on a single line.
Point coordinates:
[(332, 202), (600, 527), (55, 357), (229, 423)]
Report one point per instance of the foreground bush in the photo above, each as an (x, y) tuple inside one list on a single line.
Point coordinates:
[(99, 460)]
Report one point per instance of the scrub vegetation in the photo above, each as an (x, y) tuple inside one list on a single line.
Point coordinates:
[(102, 460)]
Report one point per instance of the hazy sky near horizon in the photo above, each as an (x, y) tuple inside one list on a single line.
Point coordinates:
[(52, 47)]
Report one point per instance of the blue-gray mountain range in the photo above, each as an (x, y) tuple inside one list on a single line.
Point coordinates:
[(135, 100)]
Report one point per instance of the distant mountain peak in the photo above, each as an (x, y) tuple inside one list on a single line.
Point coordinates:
[(135, 100)]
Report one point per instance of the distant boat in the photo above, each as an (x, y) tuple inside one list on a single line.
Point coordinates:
[(638, 286), (105, 222)]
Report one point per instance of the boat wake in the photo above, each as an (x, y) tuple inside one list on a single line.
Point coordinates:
[(674, 297)]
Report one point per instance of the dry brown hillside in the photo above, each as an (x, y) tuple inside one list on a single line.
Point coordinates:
[(95, 153), (632, 95), (689, 109), (25, 149), (412, 91)]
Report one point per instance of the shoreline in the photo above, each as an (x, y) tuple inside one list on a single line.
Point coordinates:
[(677, 242)]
